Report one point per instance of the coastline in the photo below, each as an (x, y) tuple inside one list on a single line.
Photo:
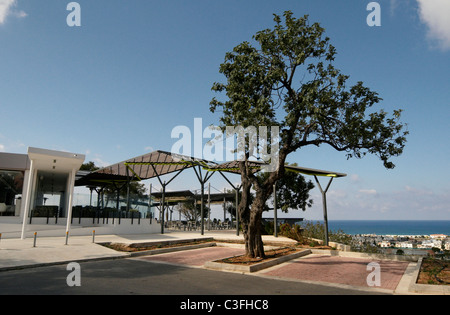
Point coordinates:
[(406, 228)]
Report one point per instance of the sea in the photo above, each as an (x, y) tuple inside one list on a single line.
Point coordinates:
[(390, 227)]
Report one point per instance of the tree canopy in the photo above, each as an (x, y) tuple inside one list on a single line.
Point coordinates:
[(286, 78)]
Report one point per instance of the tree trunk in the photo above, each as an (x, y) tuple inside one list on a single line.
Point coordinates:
[(253, 241), (251, 216), (251, 220)]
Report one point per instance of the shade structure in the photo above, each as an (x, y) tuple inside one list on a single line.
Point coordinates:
[(233, 166), (150, 165), (147, 166), (218, 198), (313, 172), (187, 195), (159, 163), (174, 196), (256, 166)]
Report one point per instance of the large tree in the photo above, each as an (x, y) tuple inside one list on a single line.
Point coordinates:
[(286, 78)]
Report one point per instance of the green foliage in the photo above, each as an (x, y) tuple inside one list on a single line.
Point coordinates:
[(434, 268), (287, 79), (137, 190), (314, 230), (307, 231), (290, 81), (294, 232), (292, 191), (89, 166), (192, 211), (269, 228)]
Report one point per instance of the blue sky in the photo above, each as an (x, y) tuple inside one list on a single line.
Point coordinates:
[(115, 87)]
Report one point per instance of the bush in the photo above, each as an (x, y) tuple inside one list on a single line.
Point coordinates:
[(268, 228), (294, 232), (309, 230)]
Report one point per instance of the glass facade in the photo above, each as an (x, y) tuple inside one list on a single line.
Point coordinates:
[(50, 195), (109, 204), (11, 185)]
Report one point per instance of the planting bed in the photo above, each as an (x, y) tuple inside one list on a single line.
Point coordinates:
[(243, 263), (139, 247), (434, 271)]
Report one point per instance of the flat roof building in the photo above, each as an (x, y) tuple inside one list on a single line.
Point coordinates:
[(41, 180)]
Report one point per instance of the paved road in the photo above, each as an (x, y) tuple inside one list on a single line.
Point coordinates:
[(136, 276)]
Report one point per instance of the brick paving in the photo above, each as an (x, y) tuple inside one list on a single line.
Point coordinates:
[(340, 270), (195, 257), (330, 269)]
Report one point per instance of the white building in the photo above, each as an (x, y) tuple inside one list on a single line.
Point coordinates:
[(385, 244), (447, 245), (438, 236), (37, 193), (28, 181)]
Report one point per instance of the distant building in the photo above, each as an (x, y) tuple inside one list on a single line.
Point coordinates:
[(404, 245), (438, 236), (430, 244), (290, 221), (385, 244)]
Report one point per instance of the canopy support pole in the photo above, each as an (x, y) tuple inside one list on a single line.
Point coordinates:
[(275, 210), (224, 206), (237, 201), (202, 181), (209, 206), (150, 203), (237, 212), (324, 202), (163, 193)]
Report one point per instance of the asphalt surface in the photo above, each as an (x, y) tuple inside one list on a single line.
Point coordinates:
[(141, 277), (26, 269)]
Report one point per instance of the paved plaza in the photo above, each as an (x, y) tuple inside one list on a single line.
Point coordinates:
[(346, 272)]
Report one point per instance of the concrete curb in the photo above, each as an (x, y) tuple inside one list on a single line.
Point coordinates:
[(214, 265), (65, 262), (365, 255), (170, 249)]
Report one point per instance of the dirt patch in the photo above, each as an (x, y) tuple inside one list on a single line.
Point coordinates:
[(131, 248), (315, 247), (434, 271), (270, 254)]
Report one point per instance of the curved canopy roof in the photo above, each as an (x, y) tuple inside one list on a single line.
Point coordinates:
[(159, 163), (233, 167), (143, 167)]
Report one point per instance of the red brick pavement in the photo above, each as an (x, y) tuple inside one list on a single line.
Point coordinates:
[(196, 257), (341, 270), (331, 269)]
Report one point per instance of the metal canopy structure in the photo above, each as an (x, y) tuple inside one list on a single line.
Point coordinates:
[(219, 198), (174, 196), (233, 167), (159, 163), (147, 166)]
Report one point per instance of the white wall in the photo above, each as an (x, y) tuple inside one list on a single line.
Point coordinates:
[(11, 227)]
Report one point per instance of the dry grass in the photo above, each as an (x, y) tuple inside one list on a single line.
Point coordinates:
[(434, 271)]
